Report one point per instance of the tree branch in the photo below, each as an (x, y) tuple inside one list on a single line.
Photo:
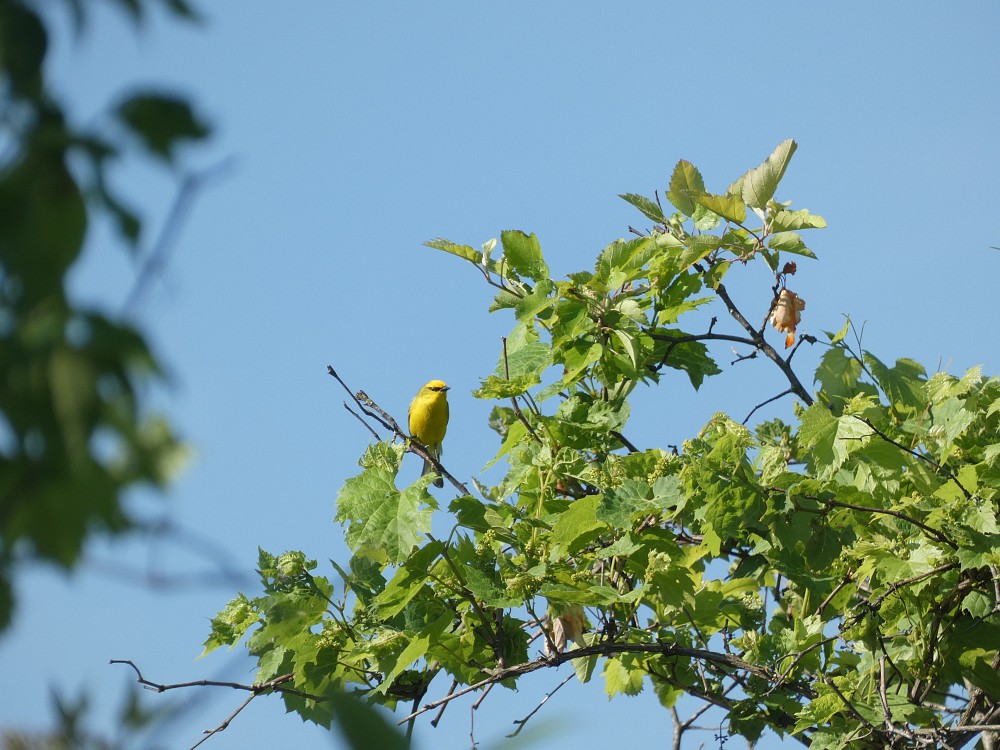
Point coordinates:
[(761, 343), (414, 446), (608, 649), (937, 467)]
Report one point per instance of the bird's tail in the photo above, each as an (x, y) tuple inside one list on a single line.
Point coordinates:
[(429, 469)]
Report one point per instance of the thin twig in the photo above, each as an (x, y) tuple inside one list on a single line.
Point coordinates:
[(158, 256), (895, 514), (765, 403), (823, 605), (607, 649), (225, 723), (275, 684), (437, 719), (521, 722), (624, 441), (877, 601), (761, 343), (272, 684), (513, 399), (850, 707), (371, 409), (940, 468), (363, 422)]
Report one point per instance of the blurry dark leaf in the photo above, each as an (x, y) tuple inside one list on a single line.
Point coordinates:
[(43, 219), (133, 8), (23, 43), (183, 9), (362, 726), (162, 122)]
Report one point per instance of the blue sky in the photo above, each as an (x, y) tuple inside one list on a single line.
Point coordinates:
[(358, 131)]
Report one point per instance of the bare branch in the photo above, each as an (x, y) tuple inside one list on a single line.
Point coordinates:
[(275, 684), (225, 724), (761, 343), (159, 255), (513, 399), (373, 410), (521, 722), (624, 441), (944, 471), (939, 536), (608, 648), (765, 403)]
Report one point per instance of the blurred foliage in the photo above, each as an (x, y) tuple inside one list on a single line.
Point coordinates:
[(74, 435), (72, 730), (831, 579)]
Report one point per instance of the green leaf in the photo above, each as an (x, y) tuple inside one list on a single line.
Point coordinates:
[(539, 300), (839, 375), (578, 357), (977, 667), (380, 517), (624, 259), (704, 219), (952, 418), (836, 338), (760, 184), (978, 604), (904, 384), (620, 679), (495, 387), (162, 122), (462, 251), (685, 183), (819, 433), (649, 209), (692, 357), (618, 505), (232, 622), (524, 254), (697, 248), (529, 360), (414, 650), (790, 221), (487, 587), (819, 711), (789, 242), (575, 523), (729, 207), (409, 581), (631, 347), (670, 314), (477, 515)]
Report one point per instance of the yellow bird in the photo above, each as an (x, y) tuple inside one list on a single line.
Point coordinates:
[(429, 421)]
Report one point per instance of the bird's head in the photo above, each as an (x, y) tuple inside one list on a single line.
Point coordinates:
[(436, 386)]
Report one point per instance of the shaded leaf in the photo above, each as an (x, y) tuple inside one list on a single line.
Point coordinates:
[(685, 183), (162, 122), (760, 184), (729, 207), (524, 254), (649, 209), (462, 251)]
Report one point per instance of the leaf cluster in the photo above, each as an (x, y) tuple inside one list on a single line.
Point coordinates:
[(74, 434), (832, 578)]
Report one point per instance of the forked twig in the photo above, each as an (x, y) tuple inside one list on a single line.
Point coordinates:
[(521, 722)]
